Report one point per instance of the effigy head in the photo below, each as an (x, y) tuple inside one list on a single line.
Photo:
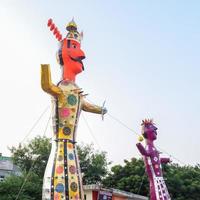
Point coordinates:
[(149, 130), (70, 55)]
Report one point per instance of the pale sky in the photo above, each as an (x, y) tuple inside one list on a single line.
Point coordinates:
[(141, 56)]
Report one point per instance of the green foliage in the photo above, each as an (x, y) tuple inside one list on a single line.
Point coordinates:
[(94, 164), (33, 155), (131, 177), (32, 159), (183, 182), (32, 189)]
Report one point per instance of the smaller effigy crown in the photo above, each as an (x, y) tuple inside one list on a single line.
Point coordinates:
[(146, 122), (73, 33)]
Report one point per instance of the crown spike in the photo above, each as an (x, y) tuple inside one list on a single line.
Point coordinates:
[(73, 33), (55, 30), (49, 22)]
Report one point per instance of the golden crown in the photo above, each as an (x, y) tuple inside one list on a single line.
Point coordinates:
[(73, 33)]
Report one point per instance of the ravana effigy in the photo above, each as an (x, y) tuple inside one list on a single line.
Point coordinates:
[(62, 178)]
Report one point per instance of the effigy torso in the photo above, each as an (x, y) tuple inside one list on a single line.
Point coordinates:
[(158, 187), (65, 171), (62, 178)]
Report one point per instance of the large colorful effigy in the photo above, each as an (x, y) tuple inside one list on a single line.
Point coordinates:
[(62, 178)]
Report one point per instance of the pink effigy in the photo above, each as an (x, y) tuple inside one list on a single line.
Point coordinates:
[(152, 160)]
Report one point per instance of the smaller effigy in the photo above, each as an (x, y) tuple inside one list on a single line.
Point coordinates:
[(152, 160)]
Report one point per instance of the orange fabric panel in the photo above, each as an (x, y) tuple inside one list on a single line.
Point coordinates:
[(118, 198)]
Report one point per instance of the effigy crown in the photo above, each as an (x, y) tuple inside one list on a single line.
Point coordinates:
[(73, 33), (147, 122)]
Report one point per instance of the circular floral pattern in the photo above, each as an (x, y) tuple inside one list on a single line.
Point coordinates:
[(59, 188), (66, 131), (64, 112), (72, 100), (71, 156), (70, 146), (74, 186), (72, 169), (56, 197), (156, 166), (59, 169), (61, 125), (60, 158), (155, 159)]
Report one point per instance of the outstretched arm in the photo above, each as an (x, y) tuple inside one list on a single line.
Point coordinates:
[(142, 150), (88, 107), (165, 160), (46, 82)]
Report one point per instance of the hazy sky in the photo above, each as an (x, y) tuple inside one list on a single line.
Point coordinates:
[(141, 56)]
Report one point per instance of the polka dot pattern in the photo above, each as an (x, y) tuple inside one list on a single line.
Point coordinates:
[(72, 169), (74, 186), (64, 112), (59, 188), (72, 100), (66, 131), (71, 156), (59, 169)]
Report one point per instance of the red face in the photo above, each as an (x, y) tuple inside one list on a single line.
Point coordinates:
[(72, 57), (150, 131)]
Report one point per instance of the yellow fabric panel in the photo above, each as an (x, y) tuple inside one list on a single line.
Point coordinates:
[(46, 82)]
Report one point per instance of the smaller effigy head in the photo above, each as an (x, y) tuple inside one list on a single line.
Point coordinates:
[(149, 130)]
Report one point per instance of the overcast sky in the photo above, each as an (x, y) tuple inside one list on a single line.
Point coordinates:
[(141, 56)]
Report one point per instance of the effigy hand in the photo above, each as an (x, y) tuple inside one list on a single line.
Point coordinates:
[(165, 160), (140, 138), (103, 110)]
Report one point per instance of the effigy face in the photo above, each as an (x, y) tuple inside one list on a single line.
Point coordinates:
[(150, 131), (70, 56)]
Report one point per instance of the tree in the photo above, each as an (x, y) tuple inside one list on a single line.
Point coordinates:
[(183, 182), (32, 159), (131, 177), (33, 155), (32, 190), (94, 164)]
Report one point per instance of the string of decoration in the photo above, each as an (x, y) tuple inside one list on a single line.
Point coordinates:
[(26, 177)]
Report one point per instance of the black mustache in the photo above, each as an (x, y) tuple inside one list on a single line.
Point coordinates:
[(79, 59)]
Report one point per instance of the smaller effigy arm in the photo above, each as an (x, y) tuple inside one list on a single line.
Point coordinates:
[(142, 150), (165, 160), (88, 107), (46, 82)]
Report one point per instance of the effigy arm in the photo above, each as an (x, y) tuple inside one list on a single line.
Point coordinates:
[(46, 82), (142, 150), (88, 107), (165, 160)]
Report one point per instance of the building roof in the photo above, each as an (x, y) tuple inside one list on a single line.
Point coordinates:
[(116, 192), (6, 163)]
